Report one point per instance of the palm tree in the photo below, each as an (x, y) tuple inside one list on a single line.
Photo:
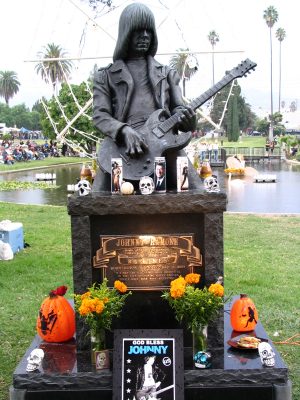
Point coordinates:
[(186, 65), (56, 70), (280, 34), (213, 38), (271, 16), (9, 85)]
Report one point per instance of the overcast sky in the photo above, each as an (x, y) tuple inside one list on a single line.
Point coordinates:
[(27, 26)]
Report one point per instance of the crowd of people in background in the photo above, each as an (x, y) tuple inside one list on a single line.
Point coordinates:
[(29, 150)]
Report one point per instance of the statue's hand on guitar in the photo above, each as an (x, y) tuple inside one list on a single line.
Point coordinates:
[(186, 118), (135, 144)]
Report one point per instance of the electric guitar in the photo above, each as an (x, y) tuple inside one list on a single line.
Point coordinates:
[(148, 394), (160, 133)]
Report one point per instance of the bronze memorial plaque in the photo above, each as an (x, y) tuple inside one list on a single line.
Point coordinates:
[(147, 262)]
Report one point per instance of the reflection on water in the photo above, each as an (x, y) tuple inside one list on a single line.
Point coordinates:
[(243, 194), (281, 196), (65, 175)]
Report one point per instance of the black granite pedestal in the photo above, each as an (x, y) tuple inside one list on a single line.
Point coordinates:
[(67, 373), (195, 212)]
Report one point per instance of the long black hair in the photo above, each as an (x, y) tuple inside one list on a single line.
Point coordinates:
[(135, 16)]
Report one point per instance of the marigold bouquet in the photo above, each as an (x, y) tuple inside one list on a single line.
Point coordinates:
[(100, 304), (193, 305)]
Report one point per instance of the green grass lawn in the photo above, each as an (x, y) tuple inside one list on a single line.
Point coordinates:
[(261, 259), (47, 162), (244, 141)]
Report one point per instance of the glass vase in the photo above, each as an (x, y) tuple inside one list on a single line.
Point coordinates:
[(201, 357), (99, 354), (205, 170)]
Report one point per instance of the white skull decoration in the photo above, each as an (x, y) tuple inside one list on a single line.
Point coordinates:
[(34, 360), (146, 185), (267, 355), (101, 360), (211, 184), (84, 187)]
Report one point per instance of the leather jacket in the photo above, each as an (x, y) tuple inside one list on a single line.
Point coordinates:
[(113, 89)]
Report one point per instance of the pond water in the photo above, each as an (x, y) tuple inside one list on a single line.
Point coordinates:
[(282, 196), (244, 195)]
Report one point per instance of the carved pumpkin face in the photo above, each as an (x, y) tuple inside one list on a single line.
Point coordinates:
[(243, 314), (56, 320)]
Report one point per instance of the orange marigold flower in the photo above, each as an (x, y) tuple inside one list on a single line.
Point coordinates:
[(216, 289), (105, 300), (84, 309), (177, 291), (99, 307), (179, 281), (93, 304), (192, 278), (85, 295), (120, 286), (178, 287)]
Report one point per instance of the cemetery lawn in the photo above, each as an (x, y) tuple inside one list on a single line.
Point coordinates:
[(261, 255), (47, 162)]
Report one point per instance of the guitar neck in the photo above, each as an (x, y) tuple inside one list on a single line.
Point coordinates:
[(164, 389), (171, 122)]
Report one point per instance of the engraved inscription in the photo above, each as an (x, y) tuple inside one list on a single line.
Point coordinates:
[(147, 262)]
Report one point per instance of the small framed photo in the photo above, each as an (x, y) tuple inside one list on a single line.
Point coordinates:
[(148, 364), (116, 175), (182, 174), (160, 178)]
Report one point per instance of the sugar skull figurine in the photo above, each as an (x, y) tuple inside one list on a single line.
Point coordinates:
[(202, 359), (211, 184), (35, 360), (146, 185), (266, 353), (84, 187)]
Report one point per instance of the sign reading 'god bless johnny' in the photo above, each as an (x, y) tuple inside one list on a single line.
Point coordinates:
[(147, 261), (148, 364)]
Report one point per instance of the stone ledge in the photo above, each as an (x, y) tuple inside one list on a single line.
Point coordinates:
[(168, 203)]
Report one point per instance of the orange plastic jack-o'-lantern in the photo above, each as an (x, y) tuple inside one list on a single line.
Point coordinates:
[(56, 320), (243, 314)]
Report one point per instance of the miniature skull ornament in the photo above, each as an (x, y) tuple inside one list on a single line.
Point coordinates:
[(146, 185), (35, 360), (202, 359), (101, 360), (84, 187), (211, 184), (266, 353)]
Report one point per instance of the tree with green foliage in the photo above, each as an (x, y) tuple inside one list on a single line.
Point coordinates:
[(263, 125), (181, 62), (19, 116), (84, 123), (280, 34), (233, 127), (246, 118), (54, 69), (9, 85), (271, 16), (213, 38)]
